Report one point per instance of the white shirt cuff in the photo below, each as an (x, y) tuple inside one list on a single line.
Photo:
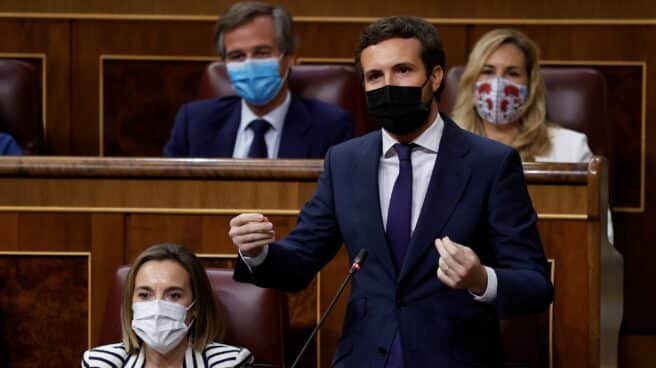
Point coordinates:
[(491, 291), (252, 262)]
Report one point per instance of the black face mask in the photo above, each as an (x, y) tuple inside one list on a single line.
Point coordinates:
[(398, 109)]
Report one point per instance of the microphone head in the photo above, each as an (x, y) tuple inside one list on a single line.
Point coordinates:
[(361, 257)]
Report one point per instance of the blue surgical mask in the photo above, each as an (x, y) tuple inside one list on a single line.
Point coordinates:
[(256, 80)]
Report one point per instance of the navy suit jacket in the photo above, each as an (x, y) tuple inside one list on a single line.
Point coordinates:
[(208, 128), (477, 196), (8, 145)]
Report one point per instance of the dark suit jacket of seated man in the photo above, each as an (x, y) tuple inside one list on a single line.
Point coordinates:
[(208, 128), (257, 43), (8, 145)]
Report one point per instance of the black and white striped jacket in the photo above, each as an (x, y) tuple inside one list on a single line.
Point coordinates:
[(215, 355)]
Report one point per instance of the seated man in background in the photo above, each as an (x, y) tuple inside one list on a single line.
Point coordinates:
[(8, 145), (265, 121), (169, 317)]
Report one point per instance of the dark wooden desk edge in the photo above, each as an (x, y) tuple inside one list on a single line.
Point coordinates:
[(212, 169)]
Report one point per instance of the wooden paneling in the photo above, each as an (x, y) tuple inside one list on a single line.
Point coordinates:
[(92, 39), (140, 99), (635, 349), (113, 238), (107, 239), (438, 9), (43, 309)]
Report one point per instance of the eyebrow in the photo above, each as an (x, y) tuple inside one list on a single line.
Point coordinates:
[(507, 67), (168, 289)]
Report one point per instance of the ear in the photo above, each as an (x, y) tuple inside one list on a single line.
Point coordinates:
[(436, 77), (292, 59)]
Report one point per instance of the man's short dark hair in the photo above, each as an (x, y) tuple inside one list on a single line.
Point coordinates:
[(432, 52), (244, 12)]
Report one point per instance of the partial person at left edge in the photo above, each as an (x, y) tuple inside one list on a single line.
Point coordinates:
[(265, 120), (8, 146)]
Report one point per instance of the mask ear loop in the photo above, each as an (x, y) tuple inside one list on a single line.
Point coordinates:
[(284, 78), (187, 308), (426, 104)]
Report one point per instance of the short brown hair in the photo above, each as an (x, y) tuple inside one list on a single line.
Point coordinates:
[(432, 52), (244, 12), (207, 326)]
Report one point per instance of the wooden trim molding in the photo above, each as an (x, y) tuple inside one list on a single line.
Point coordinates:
[(333, 19)]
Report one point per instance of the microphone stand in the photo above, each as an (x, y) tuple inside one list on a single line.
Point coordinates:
[(359, 260)]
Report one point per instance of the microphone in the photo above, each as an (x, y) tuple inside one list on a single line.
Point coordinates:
[(358, 261)]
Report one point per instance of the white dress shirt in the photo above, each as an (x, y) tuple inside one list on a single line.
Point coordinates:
[(423, 160), (272, 137)]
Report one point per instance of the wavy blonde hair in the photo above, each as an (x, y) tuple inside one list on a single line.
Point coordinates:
[(533, 138)]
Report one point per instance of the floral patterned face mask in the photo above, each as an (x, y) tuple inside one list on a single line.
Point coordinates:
[(499, 100)]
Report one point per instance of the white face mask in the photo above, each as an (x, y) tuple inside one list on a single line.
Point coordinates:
[(160, 324), (499, 100)]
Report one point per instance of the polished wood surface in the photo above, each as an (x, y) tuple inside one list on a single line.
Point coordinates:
[(60, 205), (589, 9), (44, 299)]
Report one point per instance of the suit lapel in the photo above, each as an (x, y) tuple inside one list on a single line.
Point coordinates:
[(367, 201), (227, 131), (448, 181), (293, 143)]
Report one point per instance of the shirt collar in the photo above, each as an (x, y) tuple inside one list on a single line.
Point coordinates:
[(428, 141), (275, 117)]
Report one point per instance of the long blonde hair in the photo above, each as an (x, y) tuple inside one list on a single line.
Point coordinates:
[(533, 138)]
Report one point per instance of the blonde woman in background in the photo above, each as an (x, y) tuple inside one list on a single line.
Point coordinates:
[(502, 96)]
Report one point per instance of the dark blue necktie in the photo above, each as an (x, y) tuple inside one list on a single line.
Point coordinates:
[(398, 216), (398, 230), (259, 147)]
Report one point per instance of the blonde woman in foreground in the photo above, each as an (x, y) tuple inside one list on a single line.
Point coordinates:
[(168, 317)]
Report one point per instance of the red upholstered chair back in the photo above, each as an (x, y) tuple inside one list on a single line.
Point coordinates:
[(255, 318), (20, 105), (334, 84), (576, 99)]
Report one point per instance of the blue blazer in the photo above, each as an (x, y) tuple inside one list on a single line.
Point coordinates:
[(477, 196), (8, 145), (208, 128)]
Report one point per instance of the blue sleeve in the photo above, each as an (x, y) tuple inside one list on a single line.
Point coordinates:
[(524, 285), (8, 146), (178, 144), (293, 261)]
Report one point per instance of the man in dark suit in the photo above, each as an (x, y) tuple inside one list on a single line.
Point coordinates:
[(265, 120), (445, 214)]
